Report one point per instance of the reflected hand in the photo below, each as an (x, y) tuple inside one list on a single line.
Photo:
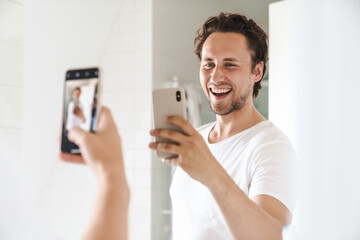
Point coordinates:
[(77, 110), (194, 156), (79, 113)]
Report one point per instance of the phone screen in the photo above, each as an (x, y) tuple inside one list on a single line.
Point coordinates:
[(80, 104)]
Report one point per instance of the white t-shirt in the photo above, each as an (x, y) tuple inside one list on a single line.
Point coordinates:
[(72, 119), (260, 160)]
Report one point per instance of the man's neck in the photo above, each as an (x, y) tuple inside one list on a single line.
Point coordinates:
[(235, 122)]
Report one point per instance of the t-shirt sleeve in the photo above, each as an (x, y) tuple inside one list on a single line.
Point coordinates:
[(273, 173), (70, 108)]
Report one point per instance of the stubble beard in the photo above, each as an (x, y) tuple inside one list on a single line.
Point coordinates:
[(236, 105)]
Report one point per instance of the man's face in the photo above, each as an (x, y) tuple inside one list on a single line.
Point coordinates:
[(225, 72), (76, 94)]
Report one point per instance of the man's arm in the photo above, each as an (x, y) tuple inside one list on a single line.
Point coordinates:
[(102, 152), (259, 218)]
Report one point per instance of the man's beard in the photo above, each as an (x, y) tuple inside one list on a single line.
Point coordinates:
[(235, 105)]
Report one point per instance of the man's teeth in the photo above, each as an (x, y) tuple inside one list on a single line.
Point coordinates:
[(220, 90)]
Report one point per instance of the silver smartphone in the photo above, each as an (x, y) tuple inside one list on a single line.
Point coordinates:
[(81, 104), (168, 102)]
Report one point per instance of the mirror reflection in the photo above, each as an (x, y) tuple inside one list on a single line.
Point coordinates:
[(255, 113)]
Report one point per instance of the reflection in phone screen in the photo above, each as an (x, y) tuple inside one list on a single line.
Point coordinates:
[(80, 103)]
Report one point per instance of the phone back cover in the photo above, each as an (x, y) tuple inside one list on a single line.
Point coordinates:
[(166, 104)]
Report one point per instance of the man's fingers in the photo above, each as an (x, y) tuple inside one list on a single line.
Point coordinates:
[(164, 147), (77, 135), (106, 120), (182, 123), (171, 161), (67, 157), (168, 134)]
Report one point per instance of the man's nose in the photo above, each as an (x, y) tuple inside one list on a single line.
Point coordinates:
[(217, 74)]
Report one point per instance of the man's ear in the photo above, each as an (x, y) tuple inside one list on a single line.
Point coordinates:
[(258, 71)]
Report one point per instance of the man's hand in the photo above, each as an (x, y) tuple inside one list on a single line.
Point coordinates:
[(194, 156), (100, 150), (79, 113)]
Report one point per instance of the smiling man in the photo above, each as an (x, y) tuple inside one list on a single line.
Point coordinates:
[(236, 176)]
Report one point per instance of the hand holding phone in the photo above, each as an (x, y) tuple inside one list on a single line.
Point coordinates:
[(80, 104), (168, 102)]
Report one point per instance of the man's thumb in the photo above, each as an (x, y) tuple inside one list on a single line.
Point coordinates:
[(77, 135)]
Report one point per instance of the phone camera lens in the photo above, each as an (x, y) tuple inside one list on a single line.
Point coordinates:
[(87, 74), (96, 73), (68, 75), (77, 74), (178, 96)]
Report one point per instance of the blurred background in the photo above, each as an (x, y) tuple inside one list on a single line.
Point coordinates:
[(310, 92)]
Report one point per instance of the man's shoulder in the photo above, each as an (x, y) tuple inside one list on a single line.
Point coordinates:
[(268, 135), (71, 105), (270, 132)]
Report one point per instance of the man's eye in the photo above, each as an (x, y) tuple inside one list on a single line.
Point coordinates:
[(230, 65), (208, 65)]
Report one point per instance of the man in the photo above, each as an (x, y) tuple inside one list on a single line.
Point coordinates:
[(236, 175), (75, 113)]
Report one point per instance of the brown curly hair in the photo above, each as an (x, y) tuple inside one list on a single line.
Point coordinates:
[(256, 38)]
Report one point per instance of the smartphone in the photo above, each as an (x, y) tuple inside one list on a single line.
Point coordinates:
[(81, 104), (168, 102)]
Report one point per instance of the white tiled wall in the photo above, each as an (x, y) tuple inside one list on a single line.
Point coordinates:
[(11, 105), (11, 65), (127, 68), (67, 192), (11, 80)]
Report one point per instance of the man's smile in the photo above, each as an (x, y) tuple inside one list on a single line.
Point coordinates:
[(220, 92)]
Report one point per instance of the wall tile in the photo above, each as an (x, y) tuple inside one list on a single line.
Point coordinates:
[(140, 198), (143, 61), (11, 64), (142, 120), (128, 138), (10, 153), (142, 178), (142, 159), (143, 40), (143, 80), (143, 100), (12, 12), (126, 43), (142, 139), (11, 106), (128, 158)]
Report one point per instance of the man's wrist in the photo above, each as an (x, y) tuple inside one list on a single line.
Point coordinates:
[(115, 185)]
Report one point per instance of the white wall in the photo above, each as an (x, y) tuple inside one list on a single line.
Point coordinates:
[(11, 118), (127, 68), (282, 104), (323, 61), (117, 37)]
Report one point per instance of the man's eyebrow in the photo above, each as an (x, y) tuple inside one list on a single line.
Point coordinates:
[(230, 60), (208, 59)]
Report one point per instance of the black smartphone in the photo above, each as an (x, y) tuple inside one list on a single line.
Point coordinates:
[(81, 104)]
